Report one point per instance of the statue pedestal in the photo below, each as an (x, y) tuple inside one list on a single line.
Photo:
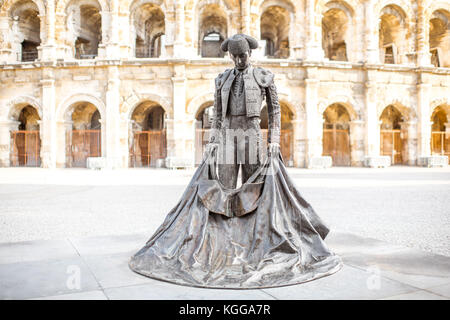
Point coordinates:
[(377, 161), (432, 161), (320, 162)]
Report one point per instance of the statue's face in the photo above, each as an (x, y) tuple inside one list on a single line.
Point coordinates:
[(241, 61)]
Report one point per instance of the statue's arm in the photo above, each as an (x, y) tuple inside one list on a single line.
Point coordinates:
[(273, 109), (217, 121)]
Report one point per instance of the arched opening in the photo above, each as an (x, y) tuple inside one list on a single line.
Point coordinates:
[(440, 38), (26, 29), (286, 134), (334, 33), (26, 141), (275, 22), (440, 141), (203, 122), (392, 35), (336, 134), (148, 146), (85, 28), (84, 140), (212, 31), (149, 31), (391, 142)]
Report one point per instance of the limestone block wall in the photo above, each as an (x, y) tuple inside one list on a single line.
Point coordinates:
[(181, 82)]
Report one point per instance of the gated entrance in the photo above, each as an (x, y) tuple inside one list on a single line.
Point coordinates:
[(440, 144), (26, 148), (85, 144), (148, 148), (336, 144), (391, 145)]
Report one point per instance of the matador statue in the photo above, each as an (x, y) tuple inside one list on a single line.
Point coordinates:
[(258, 235)]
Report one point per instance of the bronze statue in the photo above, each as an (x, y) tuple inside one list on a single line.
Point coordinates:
[(262, 234)]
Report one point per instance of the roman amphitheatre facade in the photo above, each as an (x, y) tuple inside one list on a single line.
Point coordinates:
[(130, 83)]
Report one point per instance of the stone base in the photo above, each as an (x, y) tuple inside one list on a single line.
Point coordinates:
[(377, 161), (432, 161), (179, 163), (320, 162), (96, 163)]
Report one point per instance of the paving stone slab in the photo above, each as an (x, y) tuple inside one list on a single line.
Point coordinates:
[(36, 250), (113, 271), (88, 295), (443, 290), (348, 283), (410, 266), (160, 290), (417, 295), (24, 280), (347, 244), (112, 244)]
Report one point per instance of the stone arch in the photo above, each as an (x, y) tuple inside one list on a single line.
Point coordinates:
[(438, 37), (346, 101), (61, 5), (8, 4), (135, 100), (194, 105), (440, 102), (16, 105), (407, 113), (66, 107)]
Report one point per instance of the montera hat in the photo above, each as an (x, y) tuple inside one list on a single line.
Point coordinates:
[(238, 44)]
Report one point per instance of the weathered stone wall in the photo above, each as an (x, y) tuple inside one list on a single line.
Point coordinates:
[(181, 82)]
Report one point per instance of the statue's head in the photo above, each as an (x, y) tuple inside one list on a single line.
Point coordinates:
[(240, 47)]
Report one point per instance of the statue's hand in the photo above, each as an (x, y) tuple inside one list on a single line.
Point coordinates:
[(273, 149), (210, 147)]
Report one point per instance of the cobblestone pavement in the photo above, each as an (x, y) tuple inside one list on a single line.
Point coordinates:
[(408, 206)]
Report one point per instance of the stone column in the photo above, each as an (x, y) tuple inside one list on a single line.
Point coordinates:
[(408, 134), (423, 41), (178, 46), (372, 134), (170, 26), (111, 123), (177, 125), (424, 130), (314, 124), (6, 52), (357, 143), (6, 126), (297, 35), (245, 17), (48, 125), (314, 51), (48, 47), (63, 141), (371, 33), (299, 136)]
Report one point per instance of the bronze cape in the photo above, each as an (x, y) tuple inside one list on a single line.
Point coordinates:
[(263, 234)]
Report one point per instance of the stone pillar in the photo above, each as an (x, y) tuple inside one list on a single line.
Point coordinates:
[(177, 126), (48, 125), (423, 41), (371, 33), (299, 136), (170, 26), (63, 141), (6, 126), (178, 46), (6, 52), (48, 47), (424, 130), (111, 123), (408, 134), (297, 35), (314, 51), (372, 134), (314, 124), (357, 143), (245, 17)]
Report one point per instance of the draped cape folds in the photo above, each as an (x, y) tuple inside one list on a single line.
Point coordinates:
[(263, 234)]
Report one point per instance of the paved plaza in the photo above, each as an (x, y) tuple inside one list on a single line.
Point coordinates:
[(391, 227)]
